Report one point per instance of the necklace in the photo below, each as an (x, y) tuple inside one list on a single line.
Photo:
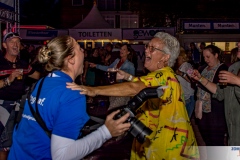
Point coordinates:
[(12, 64)]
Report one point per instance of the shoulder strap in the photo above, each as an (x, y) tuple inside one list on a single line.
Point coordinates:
[(21, 107), (36, 114), (216, 71)]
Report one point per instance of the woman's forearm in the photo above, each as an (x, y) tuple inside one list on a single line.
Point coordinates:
[(212, 87), (121, 89)]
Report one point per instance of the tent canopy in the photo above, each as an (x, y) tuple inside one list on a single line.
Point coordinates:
[(93, 20)]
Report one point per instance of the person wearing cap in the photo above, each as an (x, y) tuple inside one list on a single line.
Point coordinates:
[(13, 73)]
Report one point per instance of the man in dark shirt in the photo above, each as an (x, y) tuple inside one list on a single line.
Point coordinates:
[(13, 73)]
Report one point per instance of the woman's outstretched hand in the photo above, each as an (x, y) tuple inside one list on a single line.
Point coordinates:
[(90, 91), (92, 65), (121, 74)]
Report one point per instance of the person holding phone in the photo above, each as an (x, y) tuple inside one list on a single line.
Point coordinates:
[(231, 96)]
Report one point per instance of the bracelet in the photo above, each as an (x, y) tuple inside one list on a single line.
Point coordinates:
[(130, 78), (8, 82), (200, 80), (184, 74), (206, 83)]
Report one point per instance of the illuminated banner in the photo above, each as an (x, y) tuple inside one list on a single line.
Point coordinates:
[(197, 25), (41, 34), (226, 25), (144, 34), (208, 25), (94, 34)]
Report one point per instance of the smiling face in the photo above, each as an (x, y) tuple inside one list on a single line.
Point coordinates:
[(211, 59), (155, 58), (12, 46)]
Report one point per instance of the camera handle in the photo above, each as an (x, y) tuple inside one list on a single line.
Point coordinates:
[(138, 129), (143, 95)]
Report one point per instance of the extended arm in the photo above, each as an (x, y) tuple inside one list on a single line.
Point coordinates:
[(212, 87), (120, 89), (66, 148)]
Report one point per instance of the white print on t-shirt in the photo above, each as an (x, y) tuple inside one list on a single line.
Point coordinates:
[(40, 100), (28, 117)]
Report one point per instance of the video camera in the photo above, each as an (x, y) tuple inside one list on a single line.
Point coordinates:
[(138, 129)]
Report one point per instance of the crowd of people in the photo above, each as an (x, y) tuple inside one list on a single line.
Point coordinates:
[(194, 83)]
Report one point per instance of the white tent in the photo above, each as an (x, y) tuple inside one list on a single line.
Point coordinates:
[(93, 20)]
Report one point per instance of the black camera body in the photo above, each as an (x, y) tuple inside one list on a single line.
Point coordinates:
[(138, 129)]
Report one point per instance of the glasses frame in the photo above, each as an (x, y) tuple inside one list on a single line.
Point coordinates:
[(152, 49)]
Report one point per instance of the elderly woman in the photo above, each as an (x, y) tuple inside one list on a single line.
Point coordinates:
[(172, 136), (230, 94), (62, 110)]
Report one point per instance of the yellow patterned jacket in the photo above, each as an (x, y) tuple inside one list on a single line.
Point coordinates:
[(172, 137)]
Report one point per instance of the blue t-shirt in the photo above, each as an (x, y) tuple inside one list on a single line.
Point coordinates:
[(63, 111)]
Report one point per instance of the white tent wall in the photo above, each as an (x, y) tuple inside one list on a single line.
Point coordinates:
[(9, 3)]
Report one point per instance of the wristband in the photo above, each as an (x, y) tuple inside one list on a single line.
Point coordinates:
[(184, 74), (200, 80), (206, 83), (6, 82), (130, 78)]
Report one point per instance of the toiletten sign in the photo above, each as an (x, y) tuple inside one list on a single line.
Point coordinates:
[(95, 34)]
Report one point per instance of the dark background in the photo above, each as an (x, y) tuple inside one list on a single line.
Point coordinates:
[(153, 13)]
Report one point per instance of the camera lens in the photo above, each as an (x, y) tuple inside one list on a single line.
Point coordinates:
[(139, 130)]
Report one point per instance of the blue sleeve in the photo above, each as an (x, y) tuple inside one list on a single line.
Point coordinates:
[(129, 68), (105, 68)]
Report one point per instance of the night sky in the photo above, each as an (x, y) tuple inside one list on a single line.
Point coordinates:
[(40, 12)]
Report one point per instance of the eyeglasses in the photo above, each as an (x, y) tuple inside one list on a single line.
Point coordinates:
[(152, 49)]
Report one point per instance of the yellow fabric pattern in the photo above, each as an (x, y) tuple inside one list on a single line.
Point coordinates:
[(172, 137)]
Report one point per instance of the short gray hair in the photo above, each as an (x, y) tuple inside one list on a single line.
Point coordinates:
[(171, 46)]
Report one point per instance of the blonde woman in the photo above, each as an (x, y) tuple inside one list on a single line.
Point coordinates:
[(63, 111)]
